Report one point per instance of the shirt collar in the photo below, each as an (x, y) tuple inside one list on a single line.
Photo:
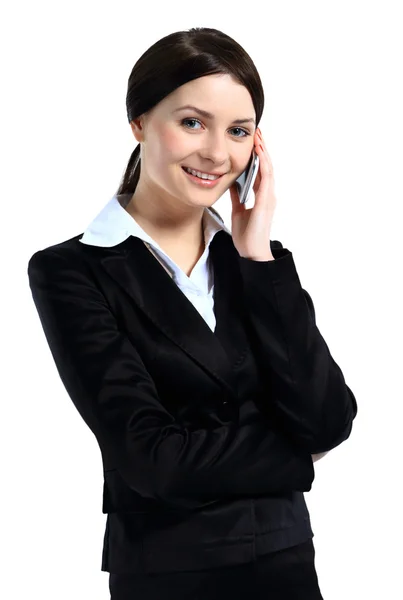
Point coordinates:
[(113, 225)]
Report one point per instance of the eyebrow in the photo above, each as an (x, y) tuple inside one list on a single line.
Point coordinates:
[(208, 115)]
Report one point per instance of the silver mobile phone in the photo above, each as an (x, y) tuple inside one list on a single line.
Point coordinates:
[(246, 180)]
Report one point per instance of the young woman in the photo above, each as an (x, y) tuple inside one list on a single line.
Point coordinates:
[(191, 351)]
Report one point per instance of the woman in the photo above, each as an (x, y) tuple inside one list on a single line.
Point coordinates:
[(192, 352)]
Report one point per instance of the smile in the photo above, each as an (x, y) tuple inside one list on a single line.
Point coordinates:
[(201, 174), (201, 179)]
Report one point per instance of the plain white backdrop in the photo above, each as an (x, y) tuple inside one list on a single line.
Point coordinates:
[(333, 126)]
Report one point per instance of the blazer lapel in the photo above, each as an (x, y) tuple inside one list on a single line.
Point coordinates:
[(142, 277)]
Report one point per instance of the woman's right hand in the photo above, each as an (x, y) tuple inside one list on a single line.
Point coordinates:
[(318, 456)]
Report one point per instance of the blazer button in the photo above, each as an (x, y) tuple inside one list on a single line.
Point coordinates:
[(225, 412)]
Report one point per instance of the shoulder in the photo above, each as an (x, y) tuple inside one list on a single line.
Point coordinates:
[(67, 248)]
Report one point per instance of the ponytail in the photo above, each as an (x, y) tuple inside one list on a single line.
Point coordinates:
[(131, 177)]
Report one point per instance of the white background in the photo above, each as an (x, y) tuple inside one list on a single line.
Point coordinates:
[(333, 125)]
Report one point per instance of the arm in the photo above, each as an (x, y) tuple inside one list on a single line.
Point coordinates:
[(106, 379), (307, 388)]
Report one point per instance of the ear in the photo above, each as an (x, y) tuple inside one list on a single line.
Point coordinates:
[(137, 126)]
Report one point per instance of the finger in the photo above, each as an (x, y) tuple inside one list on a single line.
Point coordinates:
[(264, 148), (265, 166)]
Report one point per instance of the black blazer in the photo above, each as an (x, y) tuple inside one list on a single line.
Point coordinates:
[(206, 437)]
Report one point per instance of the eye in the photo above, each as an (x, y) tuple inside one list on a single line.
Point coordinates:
[(243, 131), (239, 129), (189, 121)]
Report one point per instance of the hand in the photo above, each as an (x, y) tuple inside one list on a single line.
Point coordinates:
[(318, 456), (251, 226)]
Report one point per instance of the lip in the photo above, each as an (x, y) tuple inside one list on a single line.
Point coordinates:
[(201, 171), (201, 183)]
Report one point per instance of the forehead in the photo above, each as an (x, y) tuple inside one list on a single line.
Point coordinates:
[(219, 94)]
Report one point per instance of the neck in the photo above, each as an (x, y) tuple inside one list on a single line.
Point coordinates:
[(171, 226)]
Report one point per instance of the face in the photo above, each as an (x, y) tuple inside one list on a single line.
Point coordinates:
[(173, 138)]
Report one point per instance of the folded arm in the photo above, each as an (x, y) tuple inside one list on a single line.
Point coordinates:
[(307, 390), (106, 379)]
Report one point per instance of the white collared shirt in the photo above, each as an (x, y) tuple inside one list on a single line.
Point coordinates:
[(113, 225)]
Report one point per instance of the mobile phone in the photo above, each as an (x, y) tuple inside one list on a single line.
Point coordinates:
[(246, 180)]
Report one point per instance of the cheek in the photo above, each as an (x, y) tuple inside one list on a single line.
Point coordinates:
[(171, 144), (245, 156)]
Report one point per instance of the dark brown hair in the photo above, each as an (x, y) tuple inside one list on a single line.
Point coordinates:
[(175, 60)]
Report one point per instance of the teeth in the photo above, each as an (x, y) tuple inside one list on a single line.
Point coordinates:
[(201, 175)]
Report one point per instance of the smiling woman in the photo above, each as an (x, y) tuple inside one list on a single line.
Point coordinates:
[(194, 101), (170, 90), (194, 132), (202, 374)]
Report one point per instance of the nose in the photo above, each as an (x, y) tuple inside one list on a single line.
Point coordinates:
[(214, 150)]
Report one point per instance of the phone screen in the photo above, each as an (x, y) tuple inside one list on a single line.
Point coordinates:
[(246, 180)]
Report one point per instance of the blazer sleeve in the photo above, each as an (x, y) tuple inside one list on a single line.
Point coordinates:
[(307, 388), (108, 383)]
